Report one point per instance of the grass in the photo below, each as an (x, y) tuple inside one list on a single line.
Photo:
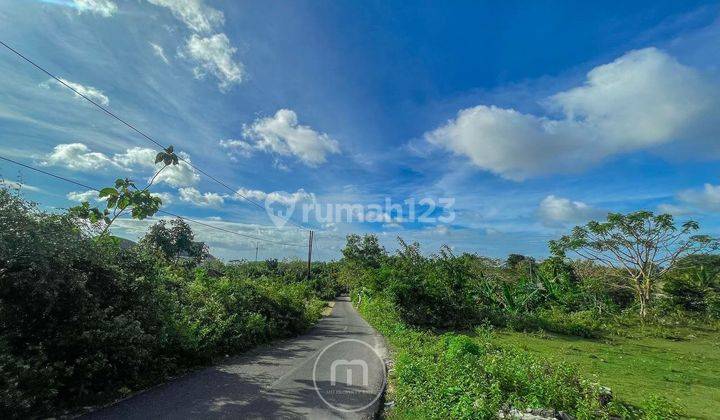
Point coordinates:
[(685, 369)]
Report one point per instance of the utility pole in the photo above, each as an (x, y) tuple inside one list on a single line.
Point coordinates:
[(310, 244), (257, 245)]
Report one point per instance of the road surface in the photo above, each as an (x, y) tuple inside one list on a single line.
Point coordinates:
[(333, 371)]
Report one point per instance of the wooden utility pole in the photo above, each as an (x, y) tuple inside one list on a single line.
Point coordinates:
[(257, 245), (310, 244)]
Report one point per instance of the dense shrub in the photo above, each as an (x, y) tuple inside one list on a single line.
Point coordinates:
[(462, 377), (437, 291), (694, 289), (83, 320), (581, 298)]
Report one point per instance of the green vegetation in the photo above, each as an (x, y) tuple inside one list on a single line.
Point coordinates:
[(523, 328), (640, 247), (457, 376), (83, 321), (684, 370)]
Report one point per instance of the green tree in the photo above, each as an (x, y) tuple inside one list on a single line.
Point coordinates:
[(175, 242), (513, 260), (639, 246), (365, 250)]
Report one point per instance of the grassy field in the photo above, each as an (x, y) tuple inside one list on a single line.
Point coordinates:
[(686, 369)]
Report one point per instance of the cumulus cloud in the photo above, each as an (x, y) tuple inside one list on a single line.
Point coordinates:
[(194, 13), (79, 157), (642, 100), (211, 53), (160, 52), (104, 8), (166, 197), (80, 196), (280, 197), (214, 55), (283, 135), (557, 211), (179, 175), (238, 147), (208, 199), (92, 195), (88, 91), (706, 199)]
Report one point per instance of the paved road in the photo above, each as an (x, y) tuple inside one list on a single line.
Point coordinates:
[(295, 378)]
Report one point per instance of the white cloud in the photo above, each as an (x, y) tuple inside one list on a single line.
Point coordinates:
[(92, 195), (280, 197), (77, 156), (179, 175), (160, 52), (214, 55), (192, 195), (706, 199), (225, 243), (557, 211), (166, 198), (642, 100), (194, 13), (104, 8), (283, 135), (80, 196), (238, 147), (18, 186), (89, 91)]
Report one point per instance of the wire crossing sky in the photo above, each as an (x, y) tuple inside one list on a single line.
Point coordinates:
[(490, 127), (165, 212), (132, 127)]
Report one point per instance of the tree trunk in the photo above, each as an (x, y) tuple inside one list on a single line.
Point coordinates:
[(643, 289)]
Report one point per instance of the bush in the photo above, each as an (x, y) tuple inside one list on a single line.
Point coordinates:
[(581, 323), (83, 321), (694, 289), (437, 291), (458, 376)]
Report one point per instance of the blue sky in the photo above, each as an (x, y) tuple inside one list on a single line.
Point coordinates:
[(532, 116)]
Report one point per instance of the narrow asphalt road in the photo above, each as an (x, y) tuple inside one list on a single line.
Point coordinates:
[(333, 371)]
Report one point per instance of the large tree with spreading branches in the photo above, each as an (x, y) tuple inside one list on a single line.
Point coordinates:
[(639, 246)]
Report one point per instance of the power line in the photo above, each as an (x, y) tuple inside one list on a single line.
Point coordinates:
[(80, 184), (132, 127)]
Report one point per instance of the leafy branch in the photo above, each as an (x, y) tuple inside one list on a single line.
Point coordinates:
[(125, 196)]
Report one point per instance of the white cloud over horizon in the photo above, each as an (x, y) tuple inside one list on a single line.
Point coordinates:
[(79, 157), (207, 199), (556, 211), (640, 101), (704, 200), (80, 196), (93, 195), (283, 135), (281, 197)]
